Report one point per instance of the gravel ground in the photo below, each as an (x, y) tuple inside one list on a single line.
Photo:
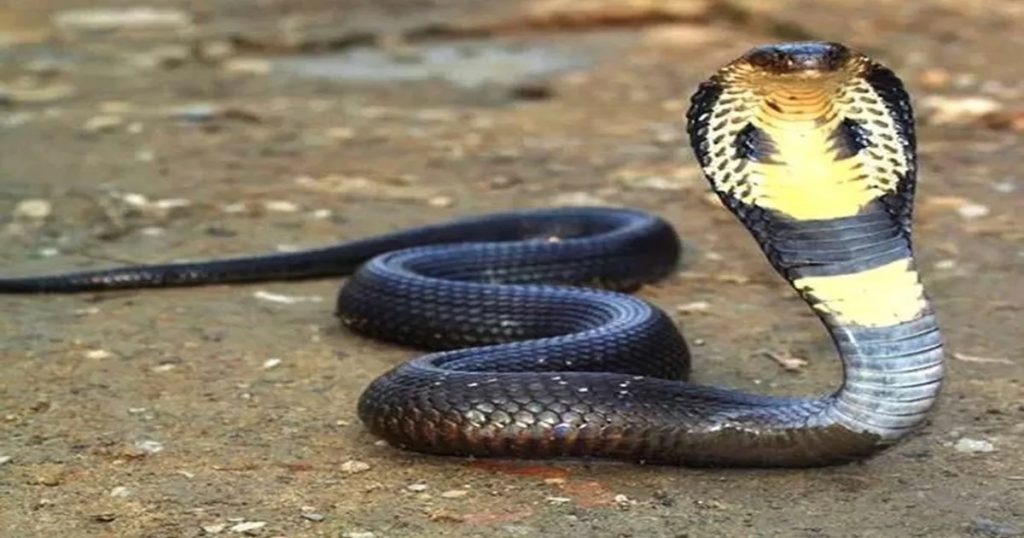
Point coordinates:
[(193, 129)]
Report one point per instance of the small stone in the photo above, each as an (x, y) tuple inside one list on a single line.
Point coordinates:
[(696, 307), (33, 209), (986, 527), (98, 354), (354, 466), (935, 78), (102, 124), (441, 201), (558, 500), (165, 367), (198, 113), (214, 529), (135, 199), (945, 265), (264, 295), (132, 18), (271, 363), (44, 94), (5, 459), (973, 446), (313, 516), (1005, 186), (972, 211), (359, 534), (580, 198), (149, 446), (120, 491), (942, 110), (170, 205), (417, 487), (454, 494), (248, 526), (247, 66), (280, 206)]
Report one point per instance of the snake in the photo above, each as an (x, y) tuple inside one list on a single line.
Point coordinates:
[(534, 348)]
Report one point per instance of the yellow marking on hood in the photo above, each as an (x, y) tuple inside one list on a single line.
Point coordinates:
[(879, 297)]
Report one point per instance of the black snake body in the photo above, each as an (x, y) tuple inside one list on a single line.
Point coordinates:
[(538, 358)]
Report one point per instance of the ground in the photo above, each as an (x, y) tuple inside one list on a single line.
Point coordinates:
[(205, 128)]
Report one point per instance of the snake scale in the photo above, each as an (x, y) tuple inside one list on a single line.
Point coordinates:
[(536, 354)]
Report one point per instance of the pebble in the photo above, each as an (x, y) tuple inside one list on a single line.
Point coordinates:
[(234, 208), (133, 18), (5, 459), (558, 500), (313, 516), (696, 307), (987, 527), (1006, 186), (359, 534), (973, 446), (271, 363), (354, 466), (135, 199), (102, 124), (417, 487), (98, 354), (263, 295), (214, 529), (972, 211), (935, 78), (149, 446), (198, 113), (454, 494), (248, 526), (280, 206), (580, 198), (247, 66), (43, 94), (33, 209), (441, 201), (120, 491), (943, 110)]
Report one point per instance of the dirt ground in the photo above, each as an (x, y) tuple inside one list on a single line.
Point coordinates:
[(205, 128)]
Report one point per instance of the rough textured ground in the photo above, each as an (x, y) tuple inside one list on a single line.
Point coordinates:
[(194, 412)]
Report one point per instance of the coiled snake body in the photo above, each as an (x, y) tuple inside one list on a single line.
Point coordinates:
[(809, 144)]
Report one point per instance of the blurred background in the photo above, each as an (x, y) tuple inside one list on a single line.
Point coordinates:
[(138, 132)]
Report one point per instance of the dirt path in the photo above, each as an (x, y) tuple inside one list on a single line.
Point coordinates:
[(197, 130)]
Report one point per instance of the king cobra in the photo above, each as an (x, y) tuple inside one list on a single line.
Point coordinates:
[(537, 354)]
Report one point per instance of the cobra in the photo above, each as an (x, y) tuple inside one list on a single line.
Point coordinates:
[(535, 353)]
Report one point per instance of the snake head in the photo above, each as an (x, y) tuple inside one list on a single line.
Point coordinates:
[(804, 58)]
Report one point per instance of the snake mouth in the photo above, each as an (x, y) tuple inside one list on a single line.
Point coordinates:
[(804, 59)]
